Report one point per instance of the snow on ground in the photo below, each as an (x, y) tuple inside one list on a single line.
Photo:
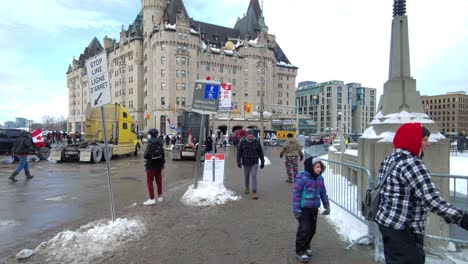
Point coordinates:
[(90, 241), (340, 190), (350, 228), (208, 193), (457, 167)]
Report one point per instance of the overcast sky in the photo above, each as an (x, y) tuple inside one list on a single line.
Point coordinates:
[(328, 40)]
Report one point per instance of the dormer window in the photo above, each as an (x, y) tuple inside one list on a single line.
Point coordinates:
[(216, 37)]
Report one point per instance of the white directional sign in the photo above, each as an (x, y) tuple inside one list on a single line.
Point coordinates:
[(205, 97), (99, 90)]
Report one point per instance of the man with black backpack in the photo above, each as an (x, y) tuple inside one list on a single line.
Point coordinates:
[(154, 156), (406, 194)]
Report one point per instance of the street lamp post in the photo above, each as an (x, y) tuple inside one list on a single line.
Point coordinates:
[(340, 132), (297, 116)]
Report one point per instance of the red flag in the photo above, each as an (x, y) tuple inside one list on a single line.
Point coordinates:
[(190, 138), (426, 107), (37, 138)]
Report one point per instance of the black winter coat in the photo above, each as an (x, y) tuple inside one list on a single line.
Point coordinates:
[(248, 153), (23, 144)]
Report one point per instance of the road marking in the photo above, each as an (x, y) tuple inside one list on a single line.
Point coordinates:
[(58, 198)]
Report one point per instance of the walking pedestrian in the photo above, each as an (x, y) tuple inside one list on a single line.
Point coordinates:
[(21, 148), (292, 150), (309, 191), (406, 195), (168, 141), (154, 156), (209, 145), (248, 154)]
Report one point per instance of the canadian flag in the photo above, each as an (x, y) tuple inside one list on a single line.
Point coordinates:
[(190, 139), (426, 108), (37, 138)]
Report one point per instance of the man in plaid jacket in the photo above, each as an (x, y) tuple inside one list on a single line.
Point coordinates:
[(406, 196), (248, 153)]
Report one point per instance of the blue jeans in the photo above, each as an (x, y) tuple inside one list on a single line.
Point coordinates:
[(23, 164)]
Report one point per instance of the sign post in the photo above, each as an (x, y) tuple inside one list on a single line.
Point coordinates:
[(100, 95), (205, 101), (225, 104)]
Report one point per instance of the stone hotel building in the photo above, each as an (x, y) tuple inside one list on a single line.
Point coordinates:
[(157, 58)]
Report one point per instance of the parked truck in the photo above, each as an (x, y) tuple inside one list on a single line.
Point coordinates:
[(186, 148), (122, 137)]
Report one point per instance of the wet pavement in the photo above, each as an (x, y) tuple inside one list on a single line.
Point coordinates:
[(67, 195)]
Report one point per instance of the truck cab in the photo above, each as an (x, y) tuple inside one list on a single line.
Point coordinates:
[(121, 135)]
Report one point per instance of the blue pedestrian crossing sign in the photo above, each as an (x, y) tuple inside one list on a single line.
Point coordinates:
[(211, 91), (206, 96)]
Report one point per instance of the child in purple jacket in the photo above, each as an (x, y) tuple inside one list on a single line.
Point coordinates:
[(309, 191)]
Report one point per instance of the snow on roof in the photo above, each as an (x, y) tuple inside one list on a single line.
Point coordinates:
[(238, 44), (284, 64), (228, 52), (204, 47), (169, 26), (253, 42), (216, 50), (193, 31)]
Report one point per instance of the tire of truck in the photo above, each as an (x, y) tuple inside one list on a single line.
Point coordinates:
[(137, 148), (43, 153), (96, 154), (63, 157)]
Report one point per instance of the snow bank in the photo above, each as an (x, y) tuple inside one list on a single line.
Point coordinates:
[(388, 136), (208, 193), (347, 226), (90, 241)]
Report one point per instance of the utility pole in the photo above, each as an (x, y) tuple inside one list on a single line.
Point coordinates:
[(297, 116), (263, 74)]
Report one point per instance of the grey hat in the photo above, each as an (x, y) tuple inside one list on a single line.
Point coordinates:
[(249, 131)]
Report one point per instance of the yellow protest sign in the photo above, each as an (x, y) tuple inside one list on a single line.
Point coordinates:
[(283, 134)]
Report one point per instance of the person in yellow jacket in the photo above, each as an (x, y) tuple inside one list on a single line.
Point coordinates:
[(292, 150)]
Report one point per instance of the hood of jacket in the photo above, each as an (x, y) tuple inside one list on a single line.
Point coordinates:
[(25, 134), (409, 137)]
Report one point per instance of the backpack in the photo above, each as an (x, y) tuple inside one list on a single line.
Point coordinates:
[(156, 152), (371, 202)]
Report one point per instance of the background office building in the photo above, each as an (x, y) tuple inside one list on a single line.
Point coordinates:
[(449, 111), (328, 103)]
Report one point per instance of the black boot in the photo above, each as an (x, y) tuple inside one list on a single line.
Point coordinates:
[(12, 177), (28, 175)]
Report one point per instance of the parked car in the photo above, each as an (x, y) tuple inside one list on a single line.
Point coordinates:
[(8, 137)]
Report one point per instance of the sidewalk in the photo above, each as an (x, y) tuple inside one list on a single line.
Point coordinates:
[(247, 231)]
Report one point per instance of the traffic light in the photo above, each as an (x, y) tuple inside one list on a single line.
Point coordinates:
[(247, 107)]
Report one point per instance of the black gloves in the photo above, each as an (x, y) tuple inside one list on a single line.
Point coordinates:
[(464, 221), (262, 165), (302, 157), (298, 216), (327, 211), (239, 165), (281, 156)]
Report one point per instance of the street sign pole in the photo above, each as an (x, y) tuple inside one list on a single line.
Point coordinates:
[(100, 95), (109, 175), (199, 150)]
